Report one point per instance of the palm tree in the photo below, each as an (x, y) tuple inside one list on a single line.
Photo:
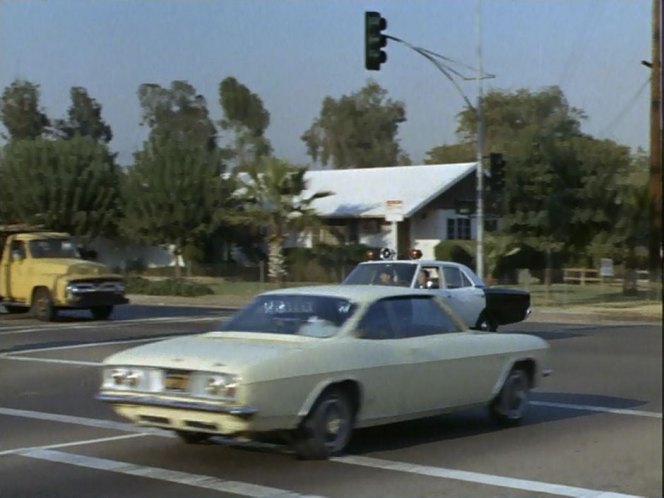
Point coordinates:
[(271, 192)]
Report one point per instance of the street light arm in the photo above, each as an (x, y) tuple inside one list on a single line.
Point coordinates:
[(443, 69)]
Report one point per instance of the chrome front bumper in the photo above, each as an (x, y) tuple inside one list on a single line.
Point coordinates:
[(201, 406)]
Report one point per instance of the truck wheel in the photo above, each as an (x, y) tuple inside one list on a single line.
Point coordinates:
[(327, 429), (42, 305), (101, 312), (16, 309)]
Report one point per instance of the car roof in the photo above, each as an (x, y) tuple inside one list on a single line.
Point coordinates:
[(412, 262), (355, 293)]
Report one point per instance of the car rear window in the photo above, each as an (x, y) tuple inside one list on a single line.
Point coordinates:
[(315, 316)]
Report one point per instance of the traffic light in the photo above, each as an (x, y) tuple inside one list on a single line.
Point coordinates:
[(374, 40), (497, 170)]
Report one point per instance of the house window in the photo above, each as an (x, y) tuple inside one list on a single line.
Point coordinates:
[(458, 228)]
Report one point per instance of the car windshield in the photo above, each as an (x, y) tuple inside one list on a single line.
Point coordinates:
[(53, 248), (388, 273), (314, 316)]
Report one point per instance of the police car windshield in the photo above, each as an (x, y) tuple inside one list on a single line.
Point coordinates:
[(387, 273)]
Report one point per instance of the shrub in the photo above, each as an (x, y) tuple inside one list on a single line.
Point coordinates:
[(167, 287)]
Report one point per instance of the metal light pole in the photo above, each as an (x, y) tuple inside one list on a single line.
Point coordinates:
[(479, 256)]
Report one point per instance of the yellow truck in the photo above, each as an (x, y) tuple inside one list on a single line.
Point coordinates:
[(42, 272)]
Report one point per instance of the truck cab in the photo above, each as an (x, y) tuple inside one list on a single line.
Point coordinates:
[(43, 272)]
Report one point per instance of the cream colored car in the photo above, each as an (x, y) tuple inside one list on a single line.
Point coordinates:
[(313, 363)]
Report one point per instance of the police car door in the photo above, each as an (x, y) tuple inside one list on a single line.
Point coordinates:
[(461, 294)]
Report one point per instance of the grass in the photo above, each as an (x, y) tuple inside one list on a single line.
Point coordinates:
[(563, 295), (557, 295)]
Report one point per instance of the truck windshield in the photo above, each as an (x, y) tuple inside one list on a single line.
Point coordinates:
[(53, 248)]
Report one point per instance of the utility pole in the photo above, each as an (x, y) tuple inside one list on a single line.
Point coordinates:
[(479, 253), (655, 246)]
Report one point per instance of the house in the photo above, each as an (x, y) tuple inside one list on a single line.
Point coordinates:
[(402, 207)]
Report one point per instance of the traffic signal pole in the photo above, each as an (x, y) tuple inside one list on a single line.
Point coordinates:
[(375, 40), (479, 193)]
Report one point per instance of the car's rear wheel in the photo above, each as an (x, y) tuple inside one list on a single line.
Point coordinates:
[(486, 322), (511, 403), (101, 312), (42, 305), (327, 429), (193, 437)]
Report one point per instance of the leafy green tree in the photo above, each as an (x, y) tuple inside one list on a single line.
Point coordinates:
[(67, 185), (358, 130), (463, 152), (272, 196), (560, 185), (176, 113), (174, 194), (20, 111), (246, 117), (84, 118)]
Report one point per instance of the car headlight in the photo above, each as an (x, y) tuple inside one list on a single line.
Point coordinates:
[(214, 385), (132, 379)]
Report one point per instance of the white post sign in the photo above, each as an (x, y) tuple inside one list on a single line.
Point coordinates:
[(606, 267), (394, 210), (394, 214)]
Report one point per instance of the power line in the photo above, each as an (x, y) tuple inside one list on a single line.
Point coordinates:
[(625, 109), (590, 20)]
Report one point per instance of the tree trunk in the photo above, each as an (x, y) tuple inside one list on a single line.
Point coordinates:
[(276, 269)]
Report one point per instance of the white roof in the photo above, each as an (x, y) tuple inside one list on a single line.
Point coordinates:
[(364, 192)]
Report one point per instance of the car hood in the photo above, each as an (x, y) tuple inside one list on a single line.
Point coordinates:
[(74, 267), (230, 352)]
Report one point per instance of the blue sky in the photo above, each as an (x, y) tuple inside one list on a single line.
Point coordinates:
[(294, 53)]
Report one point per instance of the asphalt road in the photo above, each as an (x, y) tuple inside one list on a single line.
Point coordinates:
[(594, 428)]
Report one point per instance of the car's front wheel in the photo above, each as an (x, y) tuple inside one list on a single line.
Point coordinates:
[(193, 437), (327, 429), (511, 403)]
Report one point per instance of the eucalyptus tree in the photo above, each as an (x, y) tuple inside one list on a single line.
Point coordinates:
[(84, 118), (174, 195), (274, 197), (176, 113), (67, 185), (20, 111), (246, 117), (358, 130)]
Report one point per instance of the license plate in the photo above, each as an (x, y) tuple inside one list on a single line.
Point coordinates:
[(176, 381)]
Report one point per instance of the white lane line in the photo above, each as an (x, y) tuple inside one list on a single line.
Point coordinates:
[(18, 451), (88, 422), (94, 344), (477, 478), (491, 480), (173, 476), (20, 355), (15, 330), (51, 360), (593, 408)]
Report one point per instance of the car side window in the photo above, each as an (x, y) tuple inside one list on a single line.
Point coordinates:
[(376, 324), (417, 316), (455, 278), (405, 317)]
